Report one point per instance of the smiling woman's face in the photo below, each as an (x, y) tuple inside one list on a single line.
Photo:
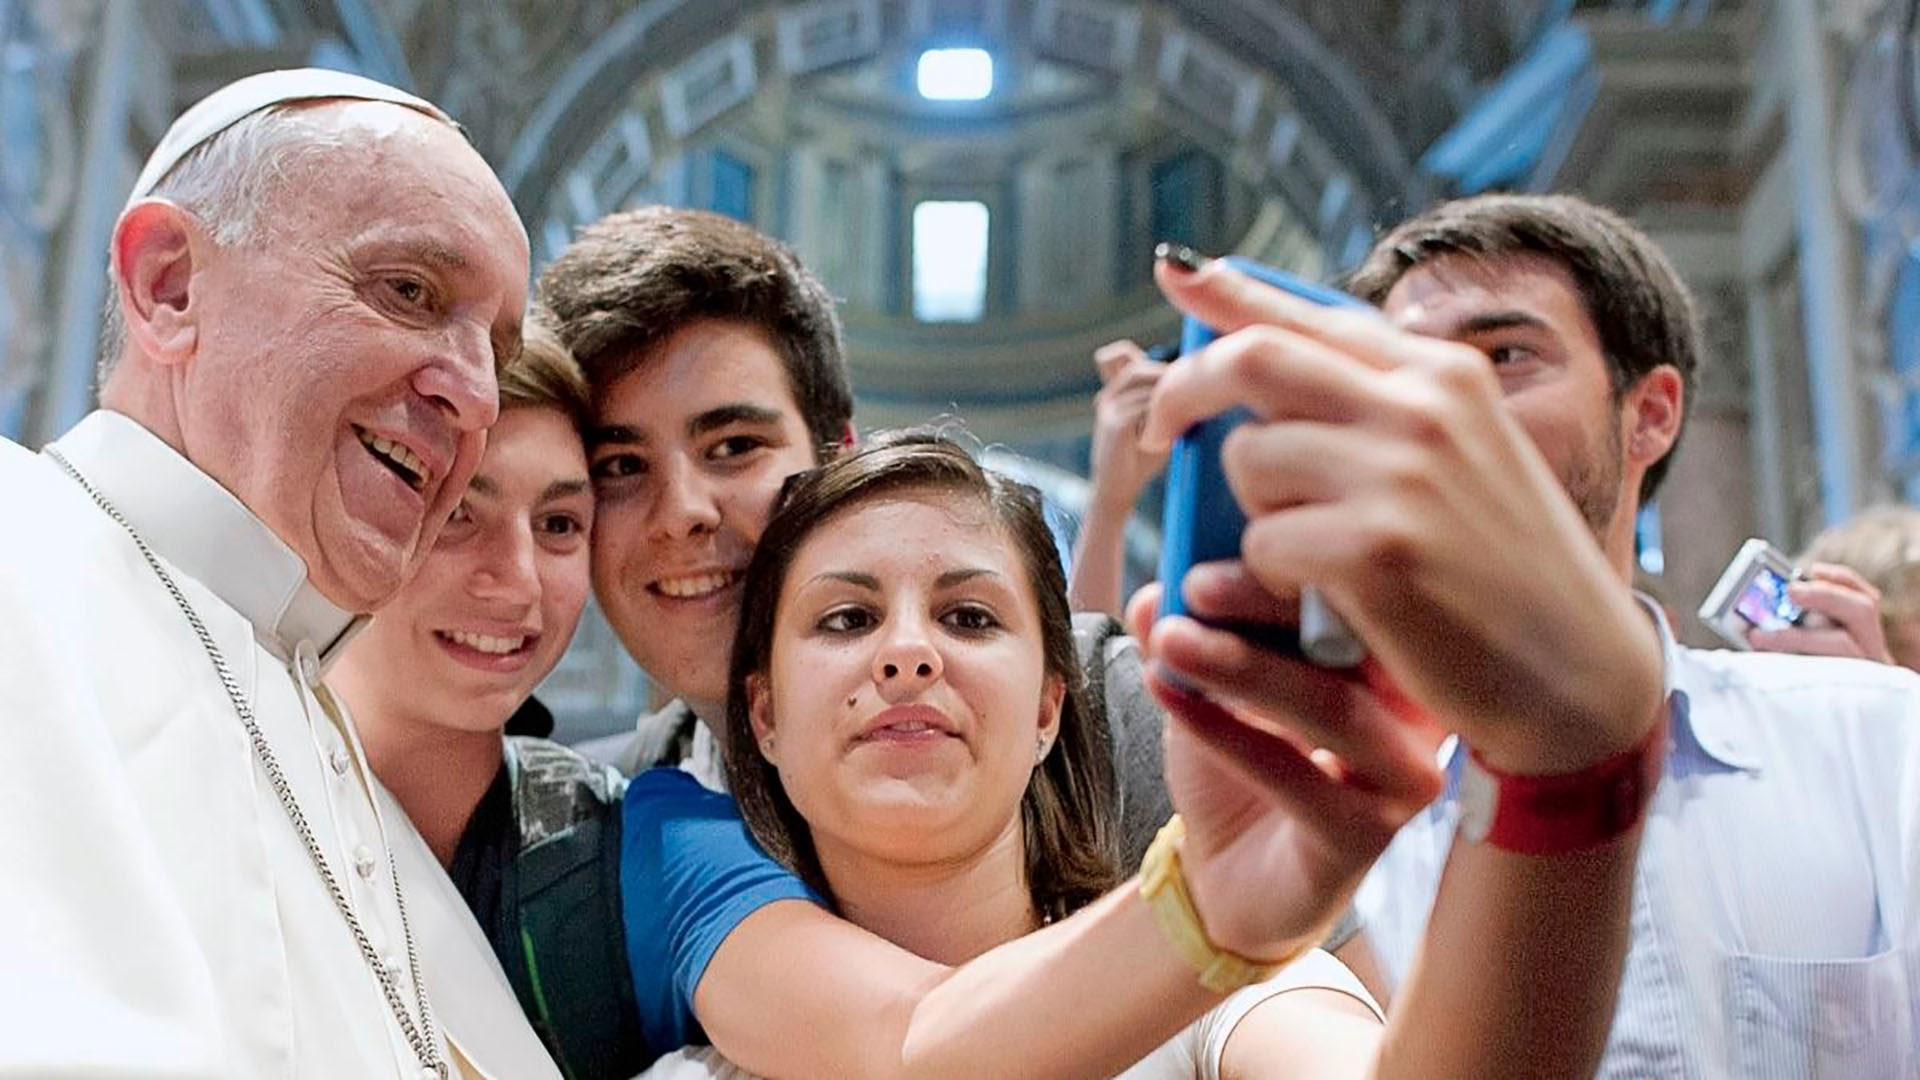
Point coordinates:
[(908, 688)]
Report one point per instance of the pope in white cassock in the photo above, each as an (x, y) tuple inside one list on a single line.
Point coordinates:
[(198, 875)]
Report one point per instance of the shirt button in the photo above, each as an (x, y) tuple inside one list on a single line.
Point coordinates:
[(363, 863), (392, 964), (339, 760)]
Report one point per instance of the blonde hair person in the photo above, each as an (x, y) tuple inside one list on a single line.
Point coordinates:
[(1881, 545)]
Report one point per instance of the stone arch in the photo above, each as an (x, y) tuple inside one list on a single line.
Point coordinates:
[(1302, 112)]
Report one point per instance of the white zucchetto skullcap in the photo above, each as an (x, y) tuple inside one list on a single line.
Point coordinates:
[(237, 100)]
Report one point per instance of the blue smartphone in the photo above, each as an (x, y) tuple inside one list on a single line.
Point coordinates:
[(1202, 522)]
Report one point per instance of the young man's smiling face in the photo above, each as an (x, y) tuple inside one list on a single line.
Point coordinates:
[(688, 451), (495, 603)]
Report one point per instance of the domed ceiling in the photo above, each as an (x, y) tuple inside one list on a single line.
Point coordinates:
[(1280, 130)]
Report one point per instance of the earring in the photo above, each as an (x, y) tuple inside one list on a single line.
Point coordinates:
[(1039, 750), (766, 746)]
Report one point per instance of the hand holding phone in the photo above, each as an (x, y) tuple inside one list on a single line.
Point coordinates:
[(1203, 523), (1752, 595)]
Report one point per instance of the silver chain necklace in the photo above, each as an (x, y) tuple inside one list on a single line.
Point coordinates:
[(426, 1048)]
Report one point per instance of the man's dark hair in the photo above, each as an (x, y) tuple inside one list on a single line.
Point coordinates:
[(1642, 311), (633, 279)]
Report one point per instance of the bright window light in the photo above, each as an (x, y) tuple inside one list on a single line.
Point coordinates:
[(955, 74), (949, 261)]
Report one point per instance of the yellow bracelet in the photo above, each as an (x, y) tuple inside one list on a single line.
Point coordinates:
[(1163, 885)]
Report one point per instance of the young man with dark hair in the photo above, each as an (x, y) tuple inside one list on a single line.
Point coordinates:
[(1639, 308), (1774, 922), (632, 281), (716, 368)]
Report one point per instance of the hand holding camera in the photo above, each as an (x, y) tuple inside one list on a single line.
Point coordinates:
[(1761, 602)]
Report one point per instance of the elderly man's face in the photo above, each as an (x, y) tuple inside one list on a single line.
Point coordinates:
[(343, 379)]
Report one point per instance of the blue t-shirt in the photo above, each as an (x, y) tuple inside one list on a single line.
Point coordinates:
[(689, 874)]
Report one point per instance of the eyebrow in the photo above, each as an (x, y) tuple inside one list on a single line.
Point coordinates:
[(435, 253), (965, 573), (1498, 320), (559, 489), (738, 412), (603, 434), (870, 583)]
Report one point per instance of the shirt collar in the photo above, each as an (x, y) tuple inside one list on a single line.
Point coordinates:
[(1714, 733), (1709, 733), (211, 536)]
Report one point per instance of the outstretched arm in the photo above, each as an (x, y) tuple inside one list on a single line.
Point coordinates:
[(796, 992), (783, 988), (1291, 793)]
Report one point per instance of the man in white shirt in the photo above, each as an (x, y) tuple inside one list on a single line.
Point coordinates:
[(314, 279), (1776, 919)]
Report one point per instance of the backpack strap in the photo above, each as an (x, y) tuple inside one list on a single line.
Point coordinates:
[(572, 976)]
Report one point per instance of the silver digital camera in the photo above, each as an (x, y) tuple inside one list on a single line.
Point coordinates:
[(1752, 595)]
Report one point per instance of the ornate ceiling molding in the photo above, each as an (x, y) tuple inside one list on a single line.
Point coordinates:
[(1315, 109), (1295, 117)]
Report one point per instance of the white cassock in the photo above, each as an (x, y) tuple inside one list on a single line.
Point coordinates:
[(164, 918)]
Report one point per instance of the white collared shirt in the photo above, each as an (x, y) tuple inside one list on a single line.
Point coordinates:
[(1776, 914), (172, 920)]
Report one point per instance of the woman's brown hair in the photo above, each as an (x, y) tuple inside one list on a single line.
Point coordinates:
[(1068, 810)]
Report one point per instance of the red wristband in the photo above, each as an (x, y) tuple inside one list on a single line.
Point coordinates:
[(1554, 815)]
